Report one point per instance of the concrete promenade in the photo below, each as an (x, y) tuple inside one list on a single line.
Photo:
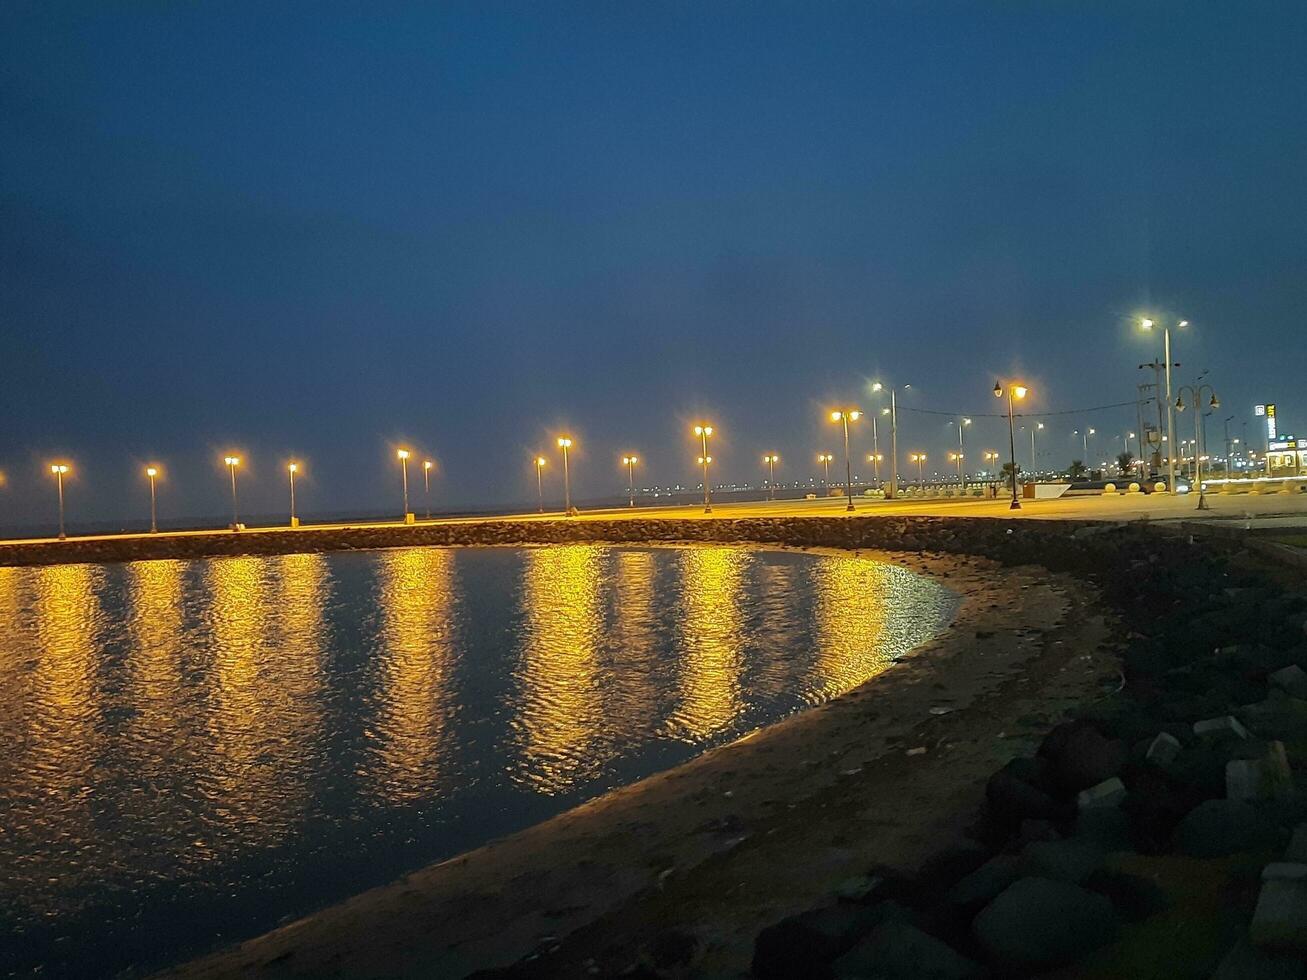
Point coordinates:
[(1287, 512)]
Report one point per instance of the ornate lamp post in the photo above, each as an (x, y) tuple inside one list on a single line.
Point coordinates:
[(1013, 391), (1196, 393)]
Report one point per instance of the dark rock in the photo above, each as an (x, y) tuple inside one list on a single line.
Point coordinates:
[(672, 948), (1038, 924), (1135, 897), (979, 888), (1245, 962), (898, 951), (1217, 828), (1081, 756), (1063, 860), (1011, 800), (947, 866), (1108, 827), (805, 944)]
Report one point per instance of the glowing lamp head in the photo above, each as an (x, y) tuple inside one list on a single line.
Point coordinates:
[(58, 468), (704, 460), (564, 442), (427, 464), (540, 461), (1146, 323), (966, 421), (292, 467), (703, 430), (151, 471), (402, 454), (232, 460), (836, 416), (877, 386), (1183, 323)]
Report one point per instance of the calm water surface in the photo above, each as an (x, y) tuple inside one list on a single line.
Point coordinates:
[(193, 752)]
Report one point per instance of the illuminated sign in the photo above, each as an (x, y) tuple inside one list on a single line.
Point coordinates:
[(1271, 431), (1259, 410)]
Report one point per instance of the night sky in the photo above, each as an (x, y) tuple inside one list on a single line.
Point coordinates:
[(324, 230)]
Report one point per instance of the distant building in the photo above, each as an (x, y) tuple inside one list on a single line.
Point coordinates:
[(1285, 456)]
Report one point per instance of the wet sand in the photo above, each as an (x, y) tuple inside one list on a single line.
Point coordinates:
[(748, 832)]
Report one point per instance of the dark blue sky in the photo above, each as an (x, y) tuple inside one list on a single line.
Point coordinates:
[(324, 229)]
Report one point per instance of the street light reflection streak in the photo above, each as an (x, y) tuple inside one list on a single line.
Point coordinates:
[(418, 610), (560, 720), (711, 641)]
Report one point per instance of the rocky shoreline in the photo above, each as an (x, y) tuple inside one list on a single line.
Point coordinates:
[(1156, 832)]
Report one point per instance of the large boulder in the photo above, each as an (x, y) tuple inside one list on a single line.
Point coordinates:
[(1081, 756), (1280, 919), (1039, 924), (807, 943), (1063, 860), (899, 951), (1217, 828)]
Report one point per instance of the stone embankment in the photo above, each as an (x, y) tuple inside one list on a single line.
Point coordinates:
[(1160, 831)]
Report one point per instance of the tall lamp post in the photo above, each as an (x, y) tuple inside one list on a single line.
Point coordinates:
[(403, 455), (703, 432), (1035, 427), (1196, 393), (629, 462), (771, 459), (875, 457), (540, 483), (962, 446), (60, 470), (426, 481), (152, 472), (233, 462), (824, 459), (1013, 392), (1148, 324), (962, 477), (845, 416), (291, 469), (894, 437), (565, 443)]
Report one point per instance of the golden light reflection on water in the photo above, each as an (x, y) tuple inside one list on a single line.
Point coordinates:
[(849, 624), (711, 640), (560, 713), (418, 652), (636, 664)]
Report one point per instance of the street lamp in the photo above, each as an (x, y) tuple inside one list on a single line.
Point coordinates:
[(918, 458), (152, 472), (403, 455), (703, 432), (875, 458), (629, 462), (957, 458), (426, 480), (60, 470), (1196, 392), (893, 413), (962, 474), (824, 459), (771, 459), (540, 482), (1148, 324), (1013, 392), (845, 416), (233, 462), (565, 443), (1034, 429), (292, 468)]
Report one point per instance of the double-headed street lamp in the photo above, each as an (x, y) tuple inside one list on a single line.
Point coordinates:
[(1084, 439), (427, 466), (875, 458), (845, 416), (291, 469), (1196, 393), (893, 413), (540, 482), (991, 456), (771, 459), (629, 462), (402, 455), (151, 473), (565, 443), (824, 459), (703, 432), (962, 476), (60, 470), (1148, 324), (919, 459), (232, 462), (1013, 392)]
